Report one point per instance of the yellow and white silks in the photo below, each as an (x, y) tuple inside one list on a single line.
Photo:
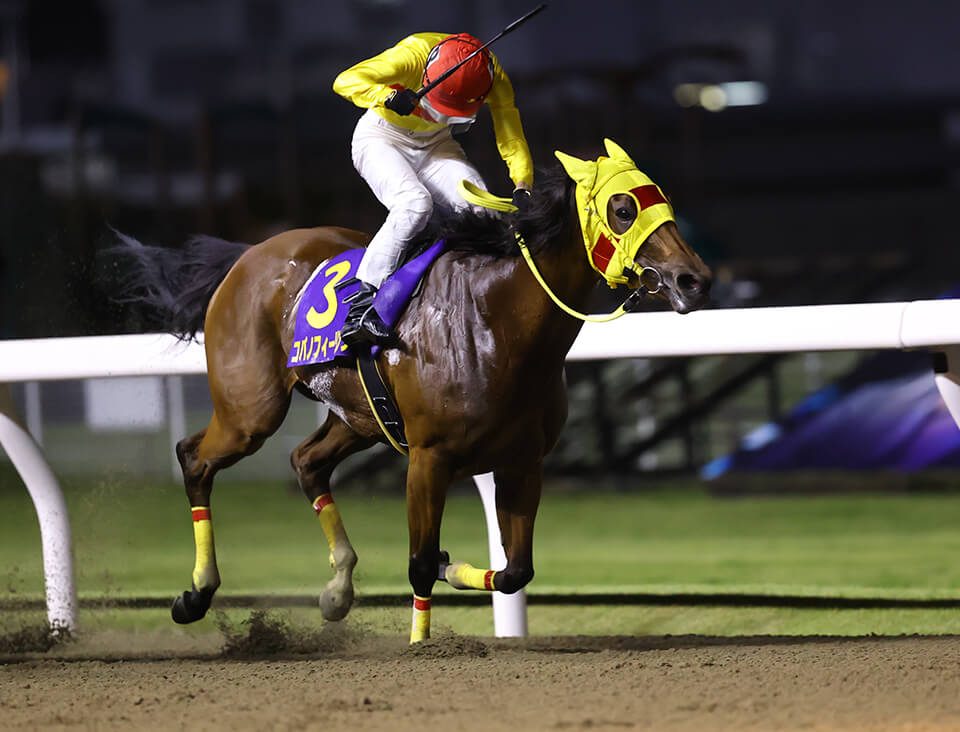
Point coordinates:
[(409, 161), (369, 83), (407, 173)]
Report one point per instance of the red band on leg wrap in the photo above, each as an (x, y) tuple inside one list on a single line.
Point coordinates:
[(488, 580), (200, 513), (322, 502), (421, 603)]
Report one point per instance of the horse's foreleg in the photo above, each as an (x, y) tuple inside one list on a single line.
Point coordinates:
[(427, 481), (518, 497), (314, 460)]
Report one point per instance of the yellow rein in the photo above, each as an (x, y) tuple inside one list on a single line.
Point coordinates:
[(528, 258), (480, 197)]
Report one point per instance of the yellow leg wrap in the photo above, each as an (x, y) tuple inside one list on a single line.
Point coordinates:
[(420, 630), (205, 574), (463, 576), (331, 523), (337, 596)]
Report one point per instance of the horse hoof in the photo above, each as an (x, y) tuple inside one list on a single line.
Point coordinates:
[(335, 603), (444, 563), (190, 606)]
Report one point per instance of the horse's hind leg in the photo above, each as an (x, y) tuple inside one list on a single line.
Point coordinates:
[(194, 603), (220, 445), (314, 460)]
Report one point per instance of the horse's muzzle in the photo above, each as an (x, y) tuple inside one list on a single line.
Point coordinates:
[(687, 292)]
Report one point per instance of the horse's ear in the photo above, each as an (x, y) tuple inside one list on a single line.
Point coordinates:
[(584, 172), (616, 152)]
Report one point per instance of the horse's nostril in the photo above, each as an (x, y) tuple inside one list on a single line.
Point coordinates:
[(688, 283)]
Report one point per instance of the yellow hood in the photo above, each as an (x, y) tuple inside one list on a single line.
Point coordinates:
[(597, 181)]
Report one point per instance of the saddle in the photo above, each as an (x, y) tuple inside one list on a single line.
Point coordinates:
[(321, 310)]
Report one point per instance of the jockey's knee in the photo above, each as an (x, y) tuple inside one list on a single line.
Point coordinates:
[(416, 207), (423, 571), (512, 579)]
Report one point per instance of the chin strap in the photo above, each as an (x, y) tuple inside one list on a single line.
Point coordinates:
[(480, 197)]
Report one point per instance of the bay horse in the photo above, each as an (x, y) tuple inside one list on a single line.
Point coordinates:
[(478, 374)]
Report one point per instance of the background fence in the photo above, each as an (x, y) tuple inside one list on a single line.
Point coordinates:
[(919, 324)]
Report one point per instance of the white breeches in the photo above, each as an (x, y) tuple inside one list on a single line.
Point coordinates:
[(407, 171)]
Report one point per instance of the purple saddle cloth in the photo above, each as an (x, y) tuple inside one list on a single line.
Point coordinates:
[(322, 312)]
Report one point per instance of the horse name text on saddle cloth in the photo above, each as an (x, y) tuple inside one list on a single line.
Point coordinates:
[(321, 311)]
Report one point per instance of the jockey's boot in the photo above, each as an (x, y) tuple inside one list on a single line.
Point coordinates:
[(363, 325)]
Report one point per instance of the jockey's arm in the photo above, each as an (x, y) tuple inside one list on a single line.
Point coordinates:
[(509, 131), (368, 83)]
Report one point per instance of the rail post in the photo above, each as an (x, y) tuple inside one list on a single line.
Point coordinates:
[(509, 611), (28, 460), (946, 369)]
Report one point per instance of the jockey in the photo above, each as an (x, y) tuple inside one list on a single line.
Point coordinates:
[(404, 149)]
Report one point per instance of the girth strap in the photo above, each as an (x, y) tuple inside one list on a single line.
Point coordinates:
[(384, 409)]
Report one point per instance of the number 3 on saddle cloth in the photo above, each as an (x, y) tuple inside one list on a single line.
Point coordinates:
[(321, 312)]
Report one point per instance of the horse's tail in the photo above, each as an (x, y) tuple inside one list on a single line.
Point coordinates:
[(172, 287)]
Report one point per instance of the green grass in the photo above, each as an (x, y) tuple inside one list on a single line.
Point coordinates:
[(135, 539)]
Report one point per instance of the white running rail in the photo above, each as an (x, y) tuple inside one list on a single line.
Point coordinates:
[(932, 324)]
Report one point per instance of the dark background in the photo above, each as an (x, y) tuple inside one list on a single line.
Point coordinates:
[(167, 117), (164, 118)]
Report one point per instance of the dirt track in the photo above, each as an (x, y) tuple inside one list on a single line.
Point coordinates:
[(458, 683)]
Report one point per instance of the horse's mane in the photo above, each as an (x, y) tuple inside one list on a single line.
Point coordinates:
[(493, 233)]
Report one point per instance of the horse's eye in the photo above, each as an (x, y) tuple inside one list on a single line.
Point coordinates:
[(624, 213)]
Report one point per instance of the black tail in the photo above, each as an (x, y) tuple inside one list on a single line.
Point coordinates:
[(172, 287)]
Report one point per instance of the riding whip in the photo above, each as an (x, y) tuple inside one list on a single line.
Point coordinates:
[(513, 26)]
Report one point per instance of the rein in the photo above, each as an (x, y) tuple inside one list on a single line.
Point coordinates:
[(480, 197)]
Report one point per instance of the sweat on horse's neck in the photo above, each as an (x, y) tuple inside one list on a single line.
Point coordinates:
[(565, 268)]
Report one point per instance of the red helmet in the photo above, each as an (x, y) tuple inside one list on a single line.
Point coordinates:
[(462, 93)]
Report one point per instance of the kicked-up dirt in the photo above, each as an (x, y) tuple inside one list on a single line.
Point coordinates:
[(271, 678)]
